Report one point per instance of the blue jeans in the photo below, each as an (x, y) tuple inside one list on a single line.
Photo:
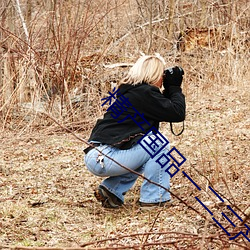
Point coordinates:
[(120, 180)]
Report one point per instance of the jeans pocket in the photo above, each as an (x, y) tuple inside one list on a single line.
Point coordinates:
[(95, 160)]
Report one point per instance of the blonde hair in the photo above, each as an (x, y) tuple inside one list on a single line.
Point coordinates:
[(148, 69)]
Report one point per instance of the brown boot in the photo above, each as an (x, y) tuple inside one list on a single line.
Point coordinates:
[(107, 199)]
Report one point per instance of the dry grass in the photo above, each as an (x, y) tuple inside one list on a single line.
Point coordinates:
[(46, 194)]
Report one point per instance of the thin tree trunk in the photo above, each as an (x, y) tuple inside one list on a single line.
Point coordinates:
[(171, 20), (203, 19), (28, 13), (20, 13), (27, 91), (150, 9), (6, 77)]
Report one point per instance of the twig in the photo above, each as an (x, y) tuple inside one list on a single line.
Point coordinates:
[(116, 247), (246, 218), (178, 235), (128, 169), (210, 183), (224, 181), (130, 32), (111, 66), (39, 248), (183, 236), (156, 217), (137, 234)]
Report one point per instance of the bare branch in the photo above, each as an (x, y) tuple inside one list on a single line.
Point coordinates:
[(25, 29)]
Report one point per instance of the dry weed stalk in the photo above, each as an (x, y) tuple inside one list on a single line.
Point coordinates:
[(173, 237), (52, 64), (145, 243), (61, 37)]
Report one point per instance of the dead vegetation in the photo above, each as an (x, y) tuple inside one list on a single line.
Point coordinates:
[(54, 58)]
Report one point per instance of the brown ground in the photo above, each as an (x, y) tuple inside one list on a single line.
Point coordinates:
[(46, 193)]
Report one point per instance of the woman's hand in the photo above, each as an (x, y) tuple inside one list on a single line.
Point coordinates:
[(173, 77)]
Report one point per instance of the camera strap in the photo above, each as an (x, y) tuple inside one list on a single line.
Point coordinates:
[(171, 127)]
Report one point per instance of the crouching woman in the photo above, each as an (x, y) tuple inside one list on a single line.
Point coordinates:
[(120, 136)]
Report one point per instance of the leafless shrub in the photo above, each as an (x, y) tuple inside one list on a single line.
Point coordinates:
[(56, 51)]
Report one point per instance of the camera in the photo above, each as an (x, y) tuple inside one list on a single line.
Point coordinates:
[(171, 70), (173, 76)]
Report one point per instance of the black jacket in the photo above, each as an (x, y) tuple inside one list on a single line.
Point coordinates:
[(148, 101)]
